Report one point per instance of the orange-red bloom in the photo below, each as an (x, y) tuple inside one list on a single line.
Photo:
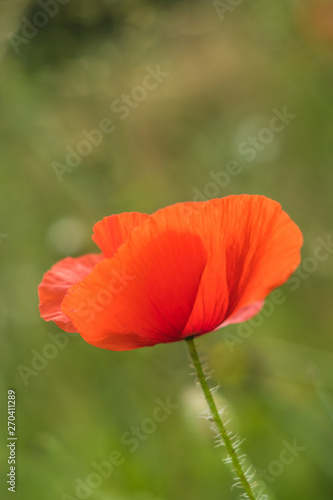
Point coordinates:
[(185, 270)]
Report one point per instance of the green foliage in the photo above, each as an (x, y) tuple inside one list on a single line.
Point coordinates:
[(225, 79)]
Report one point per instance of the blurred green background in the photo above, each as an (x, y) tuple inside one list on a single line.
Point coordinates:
[(225, 70)]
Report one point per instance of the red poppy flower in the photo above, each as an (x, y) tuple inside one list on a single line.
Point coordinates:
[(183, 271)]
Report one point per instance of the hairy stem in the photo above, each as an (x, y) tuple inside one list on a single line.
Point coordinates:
[(217, 419)]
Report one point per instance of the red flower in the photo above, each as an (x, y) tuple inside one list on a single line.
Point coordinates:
[(185, 270)]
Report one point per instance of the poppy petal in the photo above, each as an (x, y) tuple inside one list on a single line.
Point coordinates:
[(56, 283), (145, 293), (186, 270), (243, 314), (113, 231), (253, 247)]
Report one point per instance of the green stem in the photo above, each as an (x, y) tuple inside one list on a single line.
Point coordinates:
[(217, 419)]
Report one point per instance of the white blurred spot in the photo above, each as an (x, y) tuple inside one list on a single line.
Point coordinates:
[(196, 410), (252, 132), (67, 235)]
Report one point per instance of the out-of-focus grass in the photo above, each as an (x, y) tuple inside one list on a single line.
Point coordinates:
[(225, 80)]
